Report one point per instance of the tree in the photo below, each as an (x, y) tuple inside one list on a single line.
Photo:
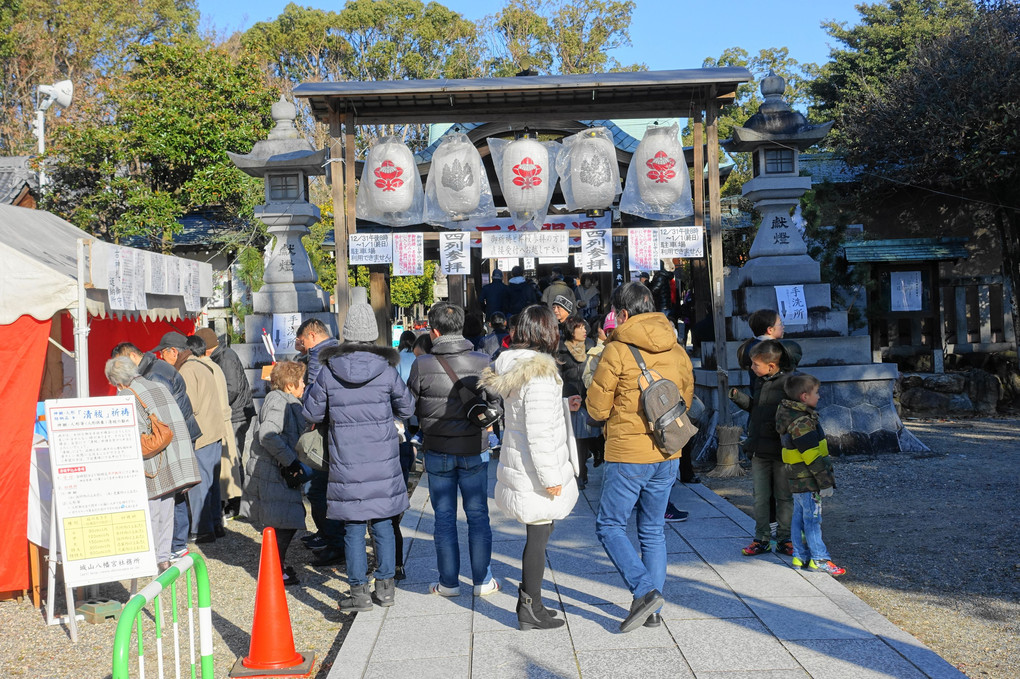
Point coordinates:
[(154, 146), (559, 36), (947, 126), (879, 48), (86, 41)]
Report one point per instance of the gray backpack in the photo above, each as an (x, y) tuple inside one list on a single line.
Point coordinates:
[(664, 409)]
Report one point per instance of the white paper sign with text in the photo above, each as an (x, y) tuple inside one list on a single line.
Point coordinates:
[(408, 254)]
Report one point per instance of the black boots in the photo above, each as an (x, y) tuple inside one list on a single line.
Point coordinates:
[(529, 614), (359, 601), (385, 592)]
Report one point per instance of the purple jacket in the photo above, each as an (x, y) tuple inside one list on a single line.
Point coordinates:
[(360, 393)]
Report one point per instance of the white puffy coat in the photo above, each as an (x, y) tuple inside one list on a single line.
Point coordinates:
[(535, 453)]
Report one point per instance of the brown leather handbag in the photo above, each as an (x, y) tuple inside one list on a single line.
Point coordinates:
[(160, 434)]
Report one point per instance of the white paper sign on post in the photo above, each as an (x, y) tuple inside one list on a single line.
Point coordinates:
[(906, 290), (529, 264), (685, 242), (643, 246), (115, 283), (455, 252), (369, 248), (189, 274), (506, 265), (792, 304), (141, 278), (408, 254), (157, 274), (99, 489), (596, 250), (285, 332)]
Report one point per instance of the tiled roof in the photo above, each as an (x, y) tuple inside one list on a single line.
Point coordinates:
[(827, 167), (15, 174), (906, 250), (200, 230)]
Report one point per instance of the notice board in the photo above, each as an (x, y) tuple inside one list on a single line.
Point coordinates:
[(99, 490)]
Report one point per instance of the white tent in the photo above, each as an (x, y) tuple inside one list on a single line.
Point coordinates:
[(48, 265)]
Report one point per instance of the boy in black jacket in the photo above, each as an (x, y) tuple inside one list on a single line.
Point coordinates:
[(763, 446)]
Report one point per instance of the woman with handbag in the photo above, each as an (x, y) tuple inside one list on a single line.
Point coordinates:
[(272, 495), (535, 480), (170, 464)]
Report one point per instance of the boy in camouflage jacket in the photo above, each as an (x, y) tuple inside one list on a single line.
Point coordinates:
[(809, 470)]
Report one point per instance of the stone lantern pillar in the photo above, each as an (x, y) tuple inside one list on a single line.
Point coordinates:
[(285, 161)]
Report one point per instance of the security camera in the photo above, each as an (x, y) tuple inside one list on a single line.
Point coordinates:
[(58, 93)]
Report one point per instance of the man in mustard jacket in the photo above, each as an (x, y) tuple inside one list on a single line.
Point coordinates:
[(637, 476)]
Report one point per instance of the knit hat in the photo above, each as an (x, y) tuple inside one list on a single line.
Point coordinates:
[(565, 303), (360, 325), (208, 336), (610, 321)]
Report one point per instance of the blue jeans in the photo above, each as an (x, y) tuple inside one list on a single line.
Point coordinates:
[(643, 487), (357, 557), (807, 517), (470, 473), (206, 512), (330, 530)]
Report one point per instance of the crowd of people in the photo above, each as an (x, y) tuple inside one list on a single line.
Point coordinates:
[(553, 385)]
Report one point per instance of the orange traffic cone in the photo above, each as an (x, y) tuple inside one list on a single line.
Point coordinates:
[(271, 653)]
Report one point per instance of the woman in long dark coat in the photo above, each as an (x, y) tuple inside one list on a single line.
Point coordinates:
[(362, 393)]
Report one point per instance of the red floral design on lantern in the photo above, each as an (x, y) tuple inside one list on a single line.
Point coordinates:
[(388, 174), (661, 168), (527, 172)]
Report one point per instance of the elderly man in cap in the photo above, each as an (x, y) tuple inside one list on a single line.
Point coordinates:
[(242, 409), (212, 411), (562, 308)]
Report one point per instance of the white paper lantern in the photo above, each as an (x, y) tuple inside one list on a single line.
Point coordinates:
[(658, 161), (594, 175), (525, 176), (390, 168), (459, 181)]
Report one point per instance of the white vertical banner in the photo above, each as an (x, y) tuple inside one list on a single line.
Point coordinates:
[(190, 283), (529, 263), (643, 245), (408, 254), (455, 252), (141, 268), (119, 299), (596, 250), (792, 304), (157, 274), (285, 332)]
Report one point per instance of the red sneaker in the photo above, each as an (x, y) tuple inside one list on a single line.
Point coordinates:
[(785, 547), (755, 548), (830, 568)]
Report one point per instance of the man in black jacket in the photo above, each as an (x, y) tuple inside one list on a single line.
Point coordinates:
[(492, 298), (520, 293), (456, 454), (151, 368)]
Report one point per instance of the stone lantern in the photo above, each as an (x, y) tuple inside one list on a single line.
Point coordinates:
[(285, 161)]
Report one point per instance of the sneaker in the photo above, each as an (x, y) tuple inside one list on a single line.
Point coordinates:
[(830, 568), (290, 577), (755, 548), (809, 565), (674, 515), (178, 553), (491, 587), (315, 542), (784, 547), (437, 588), (399, 573)]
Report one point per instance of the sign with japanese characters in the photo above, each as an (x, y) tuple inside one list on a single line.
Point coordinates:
[(596, 250), (792, 304), (552, 223), (455, 252), (644, 249), (525, 244), (685, 242), (906, 290), (408, 254), (191, 282), (505, 265), (369, 248), (285, 332), (99, 490)]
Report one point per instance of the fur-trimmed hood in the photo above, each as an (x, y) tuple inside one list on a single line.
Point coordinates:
[(516, 367), (358, 362)]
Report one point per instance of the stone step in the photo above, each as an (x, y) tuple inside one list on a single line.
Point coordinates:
[(820, 324), (817, 351)]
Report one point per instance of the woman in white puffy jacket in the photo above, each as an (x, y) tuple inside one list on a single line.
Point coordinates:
[(535, 480)]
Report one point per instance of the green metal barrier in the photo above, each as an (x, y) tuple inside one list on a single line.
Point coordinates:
[(192, 566)]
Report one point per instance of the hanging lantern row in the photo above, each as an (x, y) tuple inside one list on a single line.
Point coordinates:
[(457, 190)]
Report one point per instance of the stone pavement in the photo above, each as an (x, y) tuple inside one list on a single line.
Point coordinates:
[(726, 615)]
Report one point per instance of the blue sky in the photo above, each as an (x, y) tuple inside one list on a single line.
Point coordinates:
[(666, 34)]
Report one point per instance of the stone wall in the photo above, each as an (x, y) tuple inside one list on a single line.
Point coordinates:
[(975, 393)]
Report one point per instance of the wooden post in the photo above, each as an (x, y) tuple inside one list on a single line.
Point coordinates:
[(455, 285), (718, 288), (699, 267), (344, 220), (379, 294)]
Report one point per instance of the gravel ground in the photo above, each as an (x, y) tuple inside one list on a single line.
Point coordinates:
[(930, 541)]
